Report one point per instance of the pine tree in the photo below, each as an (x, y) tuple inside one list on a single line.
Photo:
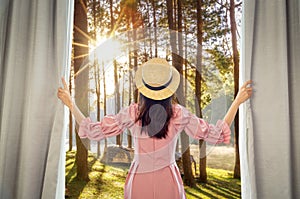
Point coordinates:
[(177, 61), (81, 81), (236, 61), (198, 79)]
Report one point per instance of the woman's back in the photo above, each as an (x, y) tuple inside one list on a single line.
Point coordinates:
[(153, 168), (153, 173)]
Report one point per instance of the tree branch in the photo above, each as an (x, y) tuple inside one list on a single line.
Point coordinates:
[(83, 6), (239, 4), (222, 5)]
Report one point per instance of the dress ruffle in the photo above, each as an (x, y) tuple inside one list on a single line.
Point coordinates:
[(198, 128), (111, 125)]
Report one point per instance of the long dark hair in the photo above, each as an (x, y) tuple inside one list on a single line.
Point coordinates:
[(155, 116)]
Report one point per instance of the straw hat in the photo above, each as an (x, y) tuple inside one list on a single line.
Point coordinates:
[(157, 79)]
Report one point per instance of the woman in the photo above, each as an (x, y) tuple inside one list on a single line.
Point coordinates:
[(155, 124)]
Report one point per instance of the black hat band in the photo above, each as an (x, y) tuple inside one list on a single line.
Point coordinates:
[(159, 87)]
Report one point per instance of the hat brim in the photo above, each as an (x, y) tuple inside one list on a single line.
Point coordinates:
[(157, 94)]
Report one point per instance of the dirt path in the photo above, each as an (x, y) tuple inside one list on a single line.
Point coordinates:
[(219, 157)]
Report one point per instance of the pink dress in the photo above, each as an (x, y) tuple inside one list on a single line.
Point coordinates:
[(153, 173)]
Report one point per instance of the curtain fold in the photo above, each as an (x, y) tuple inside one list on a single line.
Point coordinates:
[(3, 25), (270, 163), (34, 54), (293, 37), (248, 188)]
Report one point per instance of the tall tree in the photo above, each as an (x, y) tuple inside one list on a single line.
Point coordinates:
[(70, 117), (129, 137), (94, 32), (236, 60), (117, 97), (116, 84), (154, 26), (171, 30), (97, 81), (135, 51), (177, 61), (198, 79), (112, 19), (81, 80), (104, 99), (189, 178), (134, 21)]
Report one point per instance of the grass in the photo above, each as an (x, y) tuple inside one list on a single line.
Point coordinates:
[(220, 184), (107, 182)]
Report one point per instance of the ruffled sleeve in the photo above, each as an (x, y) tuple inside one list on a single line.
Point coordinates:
[(198, 128), (111, 125)]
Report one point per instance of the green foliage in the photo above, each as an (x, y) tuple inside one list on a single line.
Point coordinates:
[(217, 65), (98, 18)]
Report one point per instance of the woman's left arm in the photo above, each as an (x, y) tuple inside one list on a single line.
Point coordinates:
[(198, 128), (244, 93)]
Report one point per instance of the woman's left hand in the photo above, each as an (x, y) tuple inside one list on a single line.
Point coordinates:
[(244, 93)]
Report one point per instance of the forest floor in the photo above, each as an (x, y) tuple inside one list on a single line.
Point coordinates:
[(218, 157), (107, 180)]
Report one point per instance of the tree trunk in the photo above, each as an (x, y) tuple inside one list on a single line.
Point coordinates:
[(185, 60), (112, 20), (96, 72), (171, 28), (198, 79), (81, 83), (177, 61), (97, 82), (70, 118), (149, 35), (117, 97), (123, 87), (129, 138), (236, 61), (154, 25), (104, 100), (135, 63)]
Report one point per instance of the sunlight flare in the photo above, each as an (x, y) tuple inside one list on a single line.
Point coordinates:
[(106, 50)]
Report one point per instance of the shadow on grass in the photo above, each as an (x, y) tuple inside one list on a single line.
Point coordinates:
[(201, 191), (75, 186), (220, 184)]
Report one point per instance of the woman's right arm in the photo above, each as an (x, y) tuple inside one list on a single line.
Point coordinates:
[(64, 95), (111, 125), (78, 115)]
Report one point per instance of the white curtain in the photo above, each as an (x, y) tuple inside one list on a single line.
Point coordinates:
[(270, 122), (35, 43)]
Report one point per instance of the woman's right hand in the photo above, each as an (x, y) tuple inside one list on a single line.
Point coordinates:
[(64, 95)]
